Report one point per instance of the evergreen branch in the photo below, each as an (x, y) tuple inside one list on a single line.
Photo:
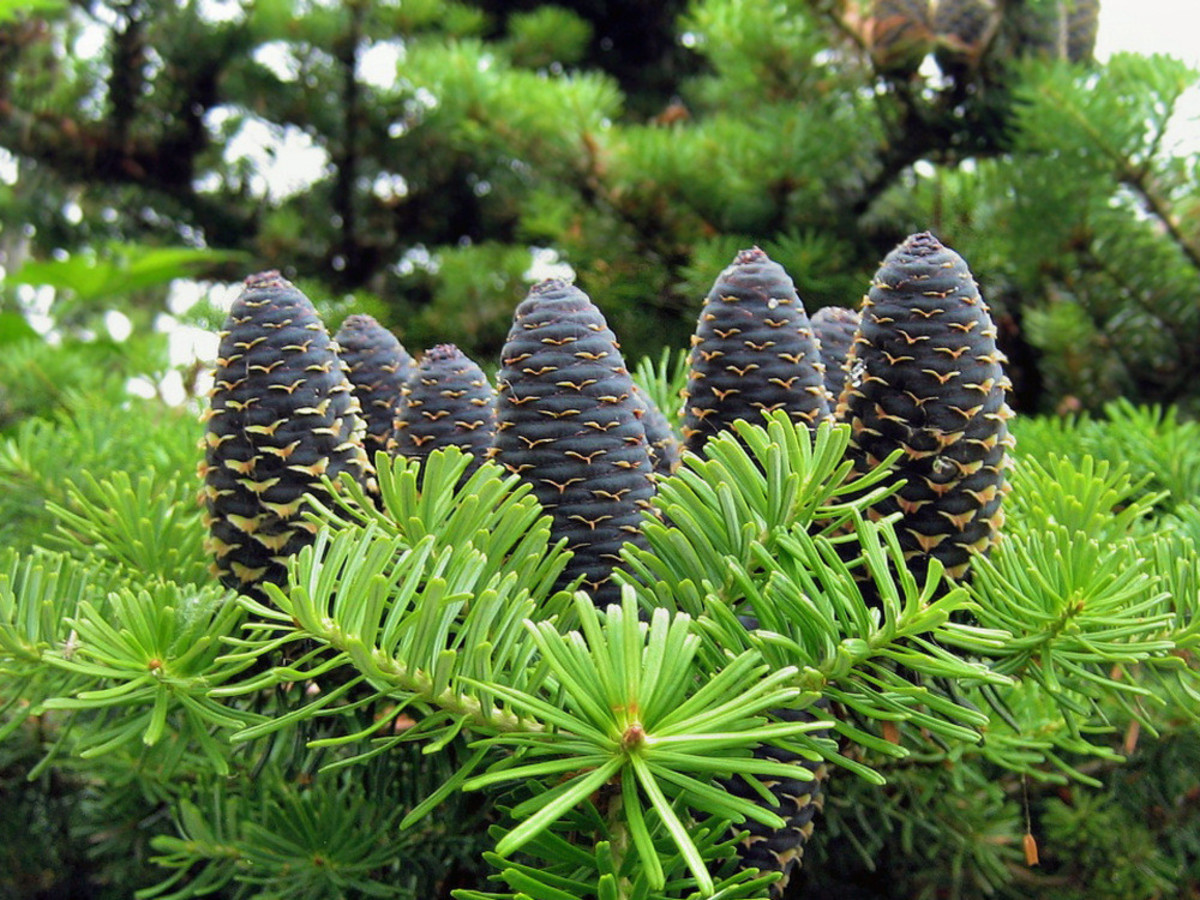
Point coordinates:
[(626, 700)]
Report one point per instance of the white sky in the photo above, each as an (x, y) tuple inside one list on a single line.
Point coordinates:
[(1150, 26)]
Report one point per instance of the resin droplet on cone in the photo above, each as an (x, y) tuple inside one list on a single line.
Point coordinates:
[(567, 423), (282, 414), (925, 376)]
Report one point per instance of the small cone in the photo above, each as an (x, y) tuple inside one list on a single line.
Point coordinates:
[(378, 368), (834, 327), (664, 445), (447, 402)]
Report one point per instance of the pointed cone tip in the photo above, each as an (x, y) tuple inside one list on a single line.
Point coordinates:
[(750, 255)]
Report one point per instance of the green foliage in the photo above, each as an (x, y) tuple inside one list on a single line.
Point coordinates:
[(417, 713), (419, 644)]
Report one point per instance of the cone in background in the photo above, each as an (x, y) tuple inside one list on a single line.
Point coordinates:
[(964, 28), (282, 414), (664, 445), (448, 401), (925, 376), (834, 327), (567, 423), (753, 352), (1083, 23), (897, 34), (378, 366)]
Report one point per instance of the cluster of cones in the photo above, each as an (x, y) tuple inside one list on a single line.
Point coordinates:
[(915, 368)]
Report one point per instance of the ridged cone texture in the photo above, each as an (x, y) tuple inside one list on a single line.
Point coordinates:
[(964, 25), (898, 33), (447, 402), (281, 414), (926, 377), (378, 367), (1083, 23), (797, 801), (753, 352), (835, 327), (664, 445), (567, 423)]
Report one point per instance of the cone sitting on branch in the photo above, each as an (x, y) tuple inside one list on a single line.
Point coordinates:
[(753, 352), (567, 422), (925, 376), (282, 415)]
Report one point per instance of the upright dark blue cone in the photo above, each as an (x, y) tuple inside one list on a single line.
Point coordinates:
[(567, 422), (281, 415), (835, 327), (664, 445), (447, 402), (378, 367), (926, 377)]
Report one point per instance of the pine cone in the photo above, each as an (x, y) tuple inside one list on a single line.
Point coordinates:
[(1039, 30), (378, 368), (282, 414), (1083, 22), (753, 352), (448, 401), (926, 377), (898, 34), (965, 27), (664, 445), (834, 327), (567, 423)]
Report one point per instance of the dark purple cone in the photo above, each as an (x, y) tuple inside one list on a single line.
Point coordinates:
[(282, 414), (834, 327), (925, 376), (753, 352), (567, 423), (378, 366), (448, 401)]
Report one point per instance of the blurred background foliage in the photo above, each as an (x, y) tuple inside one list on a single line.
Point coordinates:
[(424, 160), (423, 155)]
